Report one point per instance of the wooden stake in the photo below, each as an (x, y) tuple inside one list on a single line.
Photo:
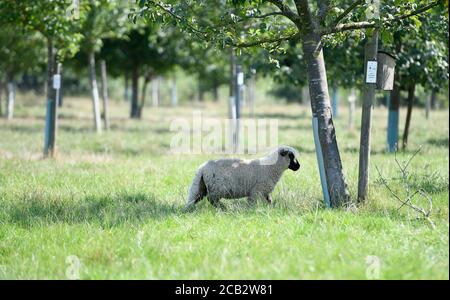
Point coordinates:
[(366, 120)]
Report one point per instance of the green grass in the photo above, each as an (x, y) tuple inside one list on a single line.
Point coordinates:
[(115, 201)]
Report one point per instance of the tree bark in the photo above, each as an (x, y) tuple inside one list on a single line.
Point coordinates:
[(134, 93), (126, 89), (94, 93), (105, 94), (147, 79), (1, 97), (215, 91), (320, 106), (200, 90), (51, 117), (411, 92), (433, 100), (155, 92)]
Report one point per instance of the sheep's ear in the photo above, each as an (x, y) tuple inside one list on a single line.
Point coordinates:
[(283, 152)]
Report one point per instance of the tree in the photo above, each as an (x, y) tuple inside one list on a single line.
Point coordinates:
[(256, 23), (21, 52), (143, 51), (54, 21), (422, 59), (209, 65), (104, 18)]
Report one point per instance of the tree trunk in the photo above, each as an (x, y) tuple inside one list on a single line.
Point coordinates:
[(51, 113), (411, 91), (1, 97), (11, 98), (251, 92), (126, 89), (371, 50), (94, 93), (231, 85), (173, 91), (147, 79), (320, 106), (105, 94), (200, 90), (393, 117), (433, 100), (155, 92), (215, 91), (134, 93), (351, 109), (237, 108), (335, 106)]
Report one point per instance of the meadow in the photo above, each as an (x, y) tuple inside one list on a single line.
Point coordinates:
[(110, 206)]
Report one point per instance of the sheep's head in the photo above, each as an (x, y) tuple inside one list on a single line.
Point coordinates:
[(289, 155)]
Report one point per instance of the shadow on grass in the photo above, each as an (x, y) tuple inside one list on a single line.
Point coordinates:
[(24, 128), (441, 142), (279, 116), (106, 211)]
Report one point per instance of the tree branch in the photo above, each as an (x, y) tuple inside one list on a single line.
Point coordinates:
[(347, 11), (347, 27), (275, 13), (177, 17), (324, 7), (373, 24), (294, 36), (286, 11)]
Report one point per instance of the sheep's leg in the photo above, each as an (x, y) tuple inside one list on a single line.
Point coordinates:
[(251, 200), (269, 198), (215, 202)]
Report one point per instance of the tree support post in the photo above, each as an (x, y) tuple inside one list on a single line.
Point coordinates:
[(237, 106), (319, 154), (94, 92), (11, 99), (393, 117), (335, 102), (105, 97), (53, 86), (366, 117)]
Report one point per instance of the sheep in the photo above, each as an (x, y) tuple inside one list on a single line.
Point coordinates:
[(237, 178)]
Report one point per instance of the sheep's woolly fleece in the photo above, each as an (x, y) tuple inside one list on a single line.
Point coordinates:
[(237, 178)]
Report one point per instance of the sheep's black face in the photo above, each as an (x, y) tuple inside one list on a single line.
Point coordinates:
[(293, 162)]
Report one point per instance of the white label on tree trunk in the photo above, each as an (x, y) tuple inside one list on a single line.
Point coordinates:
[(240, 79), (371, 74), (56, 81)]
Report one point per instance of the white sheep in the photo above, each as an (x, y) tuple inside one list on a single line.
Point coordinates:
[(237, 178)]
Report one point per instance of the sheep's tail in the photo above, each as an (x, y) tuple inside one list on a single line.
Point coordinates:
[(197, 189)]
